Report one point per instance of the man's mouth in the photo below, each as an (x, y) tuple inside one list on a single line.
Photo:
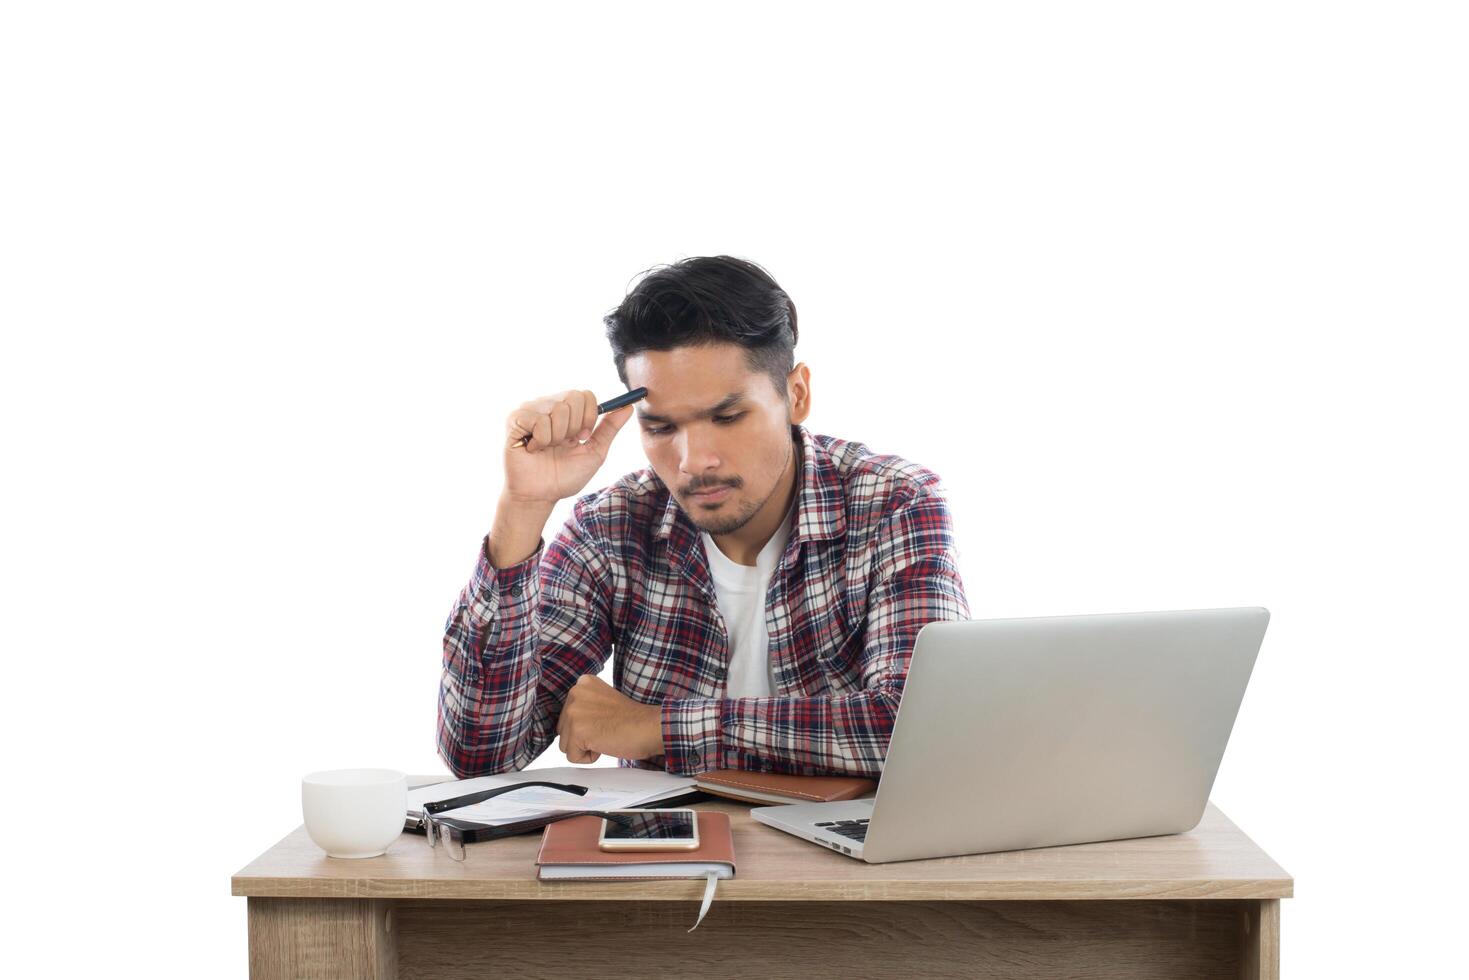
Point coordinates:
[(713, 495)]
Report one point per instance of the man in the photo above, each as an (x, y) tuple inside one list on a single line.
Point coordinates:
[(762, 586)]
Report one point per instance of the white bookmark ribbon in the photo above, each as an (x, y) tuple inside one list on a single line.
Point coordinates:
[(710, 880)]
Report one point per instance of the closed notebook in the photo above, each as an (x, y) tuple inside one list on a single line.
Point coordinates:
[(569, 851), (776, 787)]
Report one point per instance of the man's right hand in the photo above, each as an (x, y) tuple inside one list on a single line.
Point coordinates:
[(568, 444)]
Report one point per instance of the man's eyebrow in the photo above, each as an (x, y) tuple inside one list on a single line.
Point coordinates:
[(730, 401)]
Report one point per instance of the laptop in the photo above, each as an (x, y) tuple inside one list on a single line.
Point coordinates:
[(1035, 732)]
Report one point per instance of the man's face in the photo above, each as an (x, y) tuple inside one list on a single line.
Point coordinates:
[(717, 433)]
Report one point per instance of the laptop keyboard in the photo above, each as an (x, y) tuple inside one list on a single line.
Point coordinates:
[(853, 829)]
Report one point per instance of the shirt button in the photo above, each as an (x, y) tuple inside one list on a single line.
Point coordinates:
[(693, 758), (515, 589)]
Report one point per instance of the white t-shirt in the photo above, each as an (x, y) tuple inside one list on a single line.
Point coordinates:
[(740, 592)]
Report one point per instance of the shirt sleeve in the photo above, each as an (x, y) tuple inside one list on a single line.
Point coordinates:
[(916, 581), (514, 644)]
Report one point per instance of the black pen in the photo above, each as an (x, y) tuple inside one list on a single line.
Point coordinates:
[(610, 405)]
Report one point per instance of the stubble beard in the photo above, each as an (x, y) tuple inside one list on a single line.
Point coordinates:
[(729, 525)]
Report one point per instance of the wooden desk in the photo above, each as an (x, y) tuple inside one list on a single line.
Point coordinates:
[(1201, 904)]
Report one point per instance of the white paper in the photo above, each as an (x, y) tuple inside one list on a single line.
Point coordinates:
[(688, 869), (608, 788), (711, 873)]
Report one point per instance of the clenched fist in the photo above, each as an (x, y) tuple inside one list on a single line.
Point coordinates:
[(597, 719)]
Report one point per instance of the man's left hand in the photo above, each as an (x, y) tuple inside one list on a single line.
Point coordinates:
[(597, 719)]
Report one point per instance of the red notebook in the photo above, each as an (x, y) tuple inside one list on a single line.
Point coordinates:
[(569, 851)]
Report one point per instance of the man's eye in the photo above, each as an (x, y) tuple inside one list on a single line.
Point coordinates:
[(659, 430)]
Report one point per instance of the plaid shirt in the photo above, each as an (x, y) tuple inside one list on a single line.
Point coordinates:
[(869, 561)]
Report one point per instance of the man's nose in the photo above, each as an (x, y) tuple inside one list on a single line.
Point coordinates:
[(697, 453)]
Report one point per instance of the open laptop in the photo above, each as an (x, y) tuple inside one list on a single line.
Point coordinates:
[(1019, 733)]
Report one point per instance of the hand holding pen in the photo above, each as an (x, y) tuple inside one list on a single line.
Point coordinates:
[(554, 445), (582, 422)]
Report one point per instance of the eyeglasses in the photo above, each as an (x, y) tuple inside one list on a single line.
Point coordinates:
[(443, 829)]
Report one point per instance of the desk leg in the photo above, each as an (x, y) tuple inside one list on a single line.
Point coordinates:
[(321, 939), (1260, 959)]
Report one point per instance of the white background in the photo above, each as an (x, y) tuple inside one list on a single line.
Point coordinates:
[(1171, 295)]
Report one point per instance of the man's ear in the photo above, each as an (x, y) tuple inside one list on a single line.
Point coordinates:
[(798, 393)]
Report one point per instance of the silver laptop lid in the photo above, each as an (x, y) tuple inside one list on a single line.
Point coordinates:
[(1016, 733)]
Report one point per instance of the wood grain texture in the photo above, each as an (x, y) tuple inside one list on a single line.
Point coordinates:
[(1261, 951), (1215, 860), (320, 939), (1150, 940)]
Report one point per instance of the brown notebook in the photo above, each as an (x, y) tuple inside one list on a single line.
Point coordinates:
[(777, 787), (570, 846)]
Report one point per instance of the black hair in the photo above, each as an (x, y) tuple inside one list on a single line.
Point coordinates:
[(704, 300)]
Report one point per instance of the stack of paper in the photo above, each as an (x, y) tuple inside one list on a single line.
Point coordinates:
[(608, 788)]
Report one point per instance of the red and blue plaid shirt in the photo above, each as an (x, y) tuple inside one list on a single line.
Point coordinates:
[(869, 561)]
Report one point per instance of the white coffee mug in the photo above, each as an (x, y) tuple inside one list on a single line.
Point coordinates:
[(354, 813)]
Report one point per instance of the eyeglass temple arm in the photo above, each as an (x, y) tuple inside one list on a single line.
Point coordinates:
[(617, 818), (439, 806)]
